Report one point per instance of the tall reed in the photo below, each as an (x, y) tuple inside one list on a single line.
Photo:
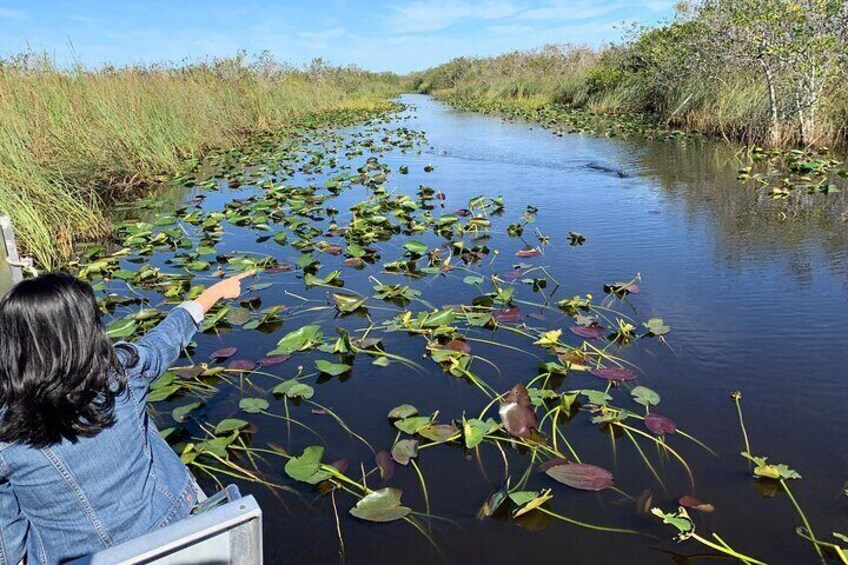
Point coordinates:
[(72, 138)]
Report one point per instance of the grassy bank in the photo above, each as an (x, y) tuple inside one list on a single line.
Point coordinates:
[(72, 139), (757, 71)]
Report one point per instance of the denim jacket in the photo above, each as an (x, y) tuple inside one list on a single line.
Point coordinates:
[(73, 499)]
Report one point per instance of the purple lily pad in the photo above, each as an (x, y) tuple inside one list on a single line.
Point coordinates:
[(660, 425), (223, 353), (526, 253), (581, 476), (278, 269), (510, 315), (272, 360), (513, 275), (354, 262), (617, 374), (458, 345), (241, 365), (386, 465), (587, 332)]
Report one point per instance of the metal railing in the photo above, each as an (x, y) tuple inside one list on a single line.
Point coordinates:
[(226, 529), (11, 271)]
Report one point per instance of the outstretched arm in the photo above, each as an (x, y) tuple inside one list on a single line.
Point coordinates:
[(161, 346)]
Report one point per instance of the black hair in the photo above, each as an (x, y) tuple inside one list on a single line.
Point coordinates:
[(59, 373)]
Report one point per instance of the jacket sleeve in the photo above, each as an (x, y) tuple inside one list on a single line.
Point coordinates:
[(13, 526), (161, 346)]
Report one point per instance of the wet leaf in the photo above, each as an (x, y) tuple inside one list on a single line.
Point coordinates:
[(230, 425), (415, 247), (527, 501), (438, 433), (475, 431), (294, 389), (645, 396), (385, 464), (656, 327), (348, 303), (180, 414), (307, 467), (402, 411), (381, 506), (617, 374), (587, 332), (301, 339), (770, 471), (688, 501), (660, 425), (238, 316), (494, 501), (244, 365), (510, 315), (458, 345), (223, 353), (334, 369), (528, 252), (581, 476), (253, 405), (121, 329), (271, 360), (412, 424), (404, 450)]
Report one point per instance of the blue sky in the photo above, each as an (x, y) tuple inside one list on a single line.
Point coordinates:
[(392, 35)]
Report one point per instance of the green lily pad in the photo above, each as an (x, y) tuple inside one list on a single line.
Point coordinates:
[(334, 369), (381, 506), (294, 389), (307, 468), (253, 405), (180, 414), (404, 450), (645, 396), (229, 425)]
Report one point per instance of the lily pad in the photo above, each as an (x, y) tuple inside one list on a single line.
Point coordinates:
[(271, 360), (616, 374), (587, 332), (402, 411), (385, 464), (253, 405), (581, 476), (230, 425), (307, 468), (334, 369), (223, 353), (294, 389), (660, 425), (404, 450), (381, 506), (645, 396)]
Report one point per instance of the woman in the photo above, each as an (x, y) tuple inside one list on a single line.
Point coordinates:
[(82, 467)]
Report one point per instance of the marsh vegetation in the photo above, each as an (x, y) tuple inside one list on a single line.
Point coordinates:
[(73, 140), (453, 360)]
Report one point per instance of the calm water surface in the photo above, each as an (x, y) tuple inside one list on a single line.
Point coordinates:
[(757, 302)]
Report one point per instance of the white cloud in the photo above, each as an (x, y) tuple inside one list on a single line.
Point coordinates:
[(569, 10), (433, 15)]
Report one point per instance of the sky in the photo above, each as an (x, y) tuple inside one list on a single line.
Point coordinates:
[(393, 35)]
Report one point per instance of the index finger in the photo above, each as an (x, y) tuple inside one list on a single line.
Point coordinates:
[(244, 275)]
